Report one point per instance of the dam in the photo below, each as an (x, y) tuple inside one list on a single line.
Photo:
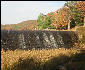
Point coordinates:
[(37, 39)]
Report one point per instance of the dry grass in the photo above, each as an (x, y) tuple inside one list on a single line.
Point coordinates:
[(11, 58)]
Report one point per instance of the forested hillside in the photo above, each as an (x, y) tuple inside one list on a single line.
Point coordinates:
[(25, 25)]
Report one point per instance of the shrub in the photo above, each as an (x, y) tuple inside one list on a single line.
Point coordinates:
[(81, 33)]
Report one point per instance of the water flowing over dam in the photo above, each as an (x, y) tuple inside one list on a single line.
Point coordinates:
[(37, 39)]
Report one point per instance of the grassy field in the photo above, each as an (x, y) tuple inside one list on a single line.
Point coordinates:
[(52, 59)]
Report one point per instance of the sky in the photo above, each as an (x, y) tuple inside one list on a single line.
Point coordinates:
[(13, 12)]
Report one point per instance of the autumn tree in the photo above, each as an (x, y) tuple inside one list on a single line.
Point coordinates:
[(70, 15), (73, 13), (76, 12), (59, 18), (81, 7)]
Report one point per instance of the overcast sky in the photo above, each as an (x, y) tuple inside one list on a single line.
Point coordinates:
[(13, 12)]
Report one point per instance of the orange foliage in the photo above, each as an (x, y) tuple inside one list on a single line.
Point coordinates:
[(81, 6), (60, 17)]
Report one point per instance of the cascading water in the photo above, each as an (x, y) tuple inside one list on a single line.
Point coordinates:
[(60, 40), (37, 39), (53, 41), (46, 40), (22, 41)]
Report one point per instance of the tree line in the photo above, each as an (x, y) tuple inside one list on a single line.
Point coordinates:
[(70, 15)]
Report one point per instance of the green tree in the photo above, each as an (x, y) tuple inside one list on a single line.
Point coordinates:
[(40, 21), (44, 21)]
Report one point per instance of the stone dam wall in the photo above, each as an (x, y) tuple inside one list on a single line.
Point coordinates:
[(29, 39)]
